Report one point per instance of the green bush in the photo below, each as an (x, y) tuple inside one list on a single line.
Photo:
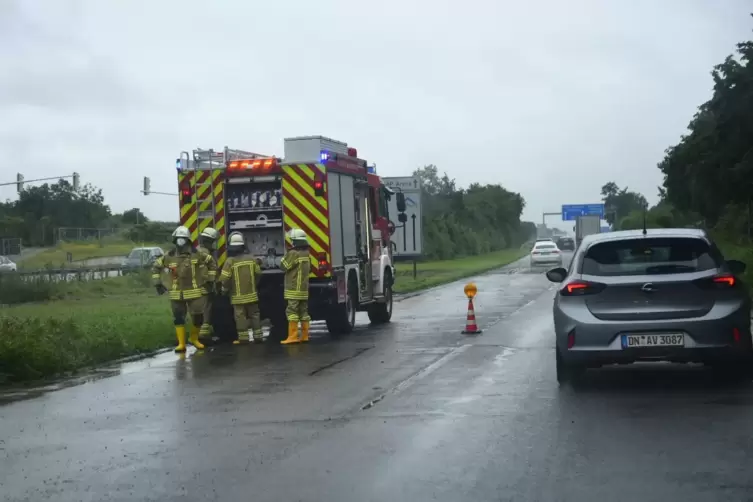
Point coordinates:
[(743, 254), (16, 289), (77, 336)]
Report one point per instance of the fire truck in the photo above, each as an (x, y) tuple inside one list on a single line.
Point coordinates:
[(320, 186)]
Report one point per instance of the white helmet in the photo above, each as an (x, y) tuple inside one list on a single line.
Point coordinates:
[(210, 233), (236, 239), (296, 234), (182, 232)]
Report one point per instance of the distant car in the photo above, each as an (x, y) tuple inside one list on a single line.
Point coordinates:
[(141, 258), (7, 265), (668, 295), (566, 243), (545, 253)]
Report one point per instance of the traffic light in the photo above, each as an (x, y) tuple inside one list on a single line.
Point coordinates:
[(75, 182), (147, 185), (19, 182)]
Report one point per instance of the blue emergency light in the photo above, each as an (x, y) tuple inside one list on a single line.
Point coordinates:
[(178, 164), (324, 156)]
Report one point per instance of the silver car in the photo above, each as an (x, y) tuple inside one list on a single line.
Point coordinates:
[(545, 252), (662, 295), (141, 258), (7, 265)]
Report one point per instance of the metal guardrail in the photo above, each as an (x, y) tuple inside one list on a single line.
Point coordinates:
[(68, 274)]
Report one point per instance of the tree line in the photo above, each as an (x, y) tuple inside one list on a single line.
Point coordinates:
[(464, 222), (708, 174), (457, 222), (42, 212)]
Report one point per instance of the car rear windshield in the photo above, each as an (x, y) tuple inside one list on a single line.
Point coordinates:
[(138, 254), (650, 256), (545, 246)]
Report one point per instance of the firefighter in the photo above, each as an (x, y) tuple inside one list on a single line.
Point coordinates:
[(240, 278), (297, 267), (189, 273), (207, 241)]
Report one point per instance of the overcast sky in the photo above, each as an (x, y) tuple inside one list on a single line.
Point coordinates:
[(550, 99)]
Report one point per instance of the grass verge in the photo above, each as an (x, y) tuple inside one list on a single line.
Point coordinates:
[(436, 273), (57, 257), (86, 323), (79, 324)]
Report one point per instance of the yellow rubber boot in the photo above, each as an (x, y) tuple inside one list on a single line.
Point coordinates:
[(304, 331), (194, 338), (292, 333), (180, 334)]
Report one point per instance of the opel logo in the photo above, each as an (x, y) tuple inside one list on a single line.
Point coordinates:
[(648, 288)]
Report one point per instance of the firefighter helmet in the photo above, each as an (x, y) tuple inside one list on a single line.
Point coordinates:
[(181, 232), (236, 239), (298, 237), (210, 233), (297, 234)]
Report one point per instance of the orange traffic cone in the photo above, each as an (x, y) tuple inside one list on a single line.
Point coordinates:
[(471, 328)]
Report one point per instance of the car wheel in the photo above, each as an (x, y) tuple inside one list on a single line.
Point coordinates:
[(566, 372), (738, 371)]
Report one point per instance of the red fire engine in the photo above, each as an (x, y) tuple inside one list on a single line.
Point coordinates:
[(319, 186)]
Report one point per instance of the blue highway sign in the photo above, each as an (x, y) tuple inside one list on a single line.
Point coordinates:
[(572, 211)]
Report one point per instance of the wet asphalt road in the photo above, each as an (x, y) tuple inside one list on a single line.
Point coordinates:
[(411, 411)]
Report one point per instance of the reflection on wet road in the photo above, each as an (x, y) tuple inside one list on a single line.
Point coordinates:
[(409, 411)]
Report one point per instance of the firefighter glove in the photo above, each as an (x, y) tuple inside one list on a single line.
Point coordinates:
[(161, 289)]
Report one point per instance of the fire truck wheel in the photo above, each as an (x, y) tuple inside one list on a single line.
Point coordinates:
[(380, 313), (342, 319)]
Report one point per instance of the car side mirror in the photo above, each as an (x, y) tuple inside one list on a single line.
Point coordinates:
[(400, 202), (557, 274), (736, 266)]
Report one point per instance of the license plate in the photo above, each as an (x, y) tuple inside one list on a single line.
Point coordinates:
[(545, 252), (641, 341)]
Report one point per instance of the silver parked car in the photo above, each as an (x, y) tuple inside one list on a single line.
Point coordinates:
[(654, 295), (141, 258), (7, 265)]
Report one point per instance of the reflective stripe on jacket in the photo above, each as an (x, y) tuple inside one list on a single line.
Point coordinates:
[(212, 267), (188, 273), (240, 277), (297, 268)]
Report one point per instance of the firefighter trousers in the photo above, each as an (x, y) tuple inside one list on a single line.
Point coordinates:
[(206, 326), (247, 316), (195, 307), (297, 310)]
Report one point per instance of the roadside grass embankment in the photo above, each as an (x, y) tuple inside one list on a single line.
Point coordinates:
[(57, 257), (435, 273), (50, 329)]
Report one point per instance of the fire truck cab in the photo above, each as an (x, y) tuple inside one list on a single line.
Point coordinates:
[(320, 186)]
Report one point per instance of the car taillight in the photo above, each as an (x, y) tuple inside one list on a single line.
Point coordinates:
[(721, 281), (582, 288)]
